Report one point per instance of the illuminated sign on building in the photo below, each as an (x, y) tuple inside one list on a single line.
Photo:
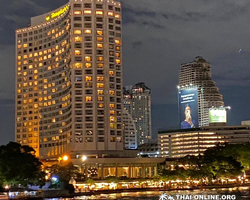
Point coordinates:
[(188, 108), (57, 13), (217, 115)]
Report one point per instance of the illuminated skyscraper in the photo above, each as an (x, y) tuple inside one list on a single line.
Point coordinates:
[(198, 74), (69, 80), (137, 101)]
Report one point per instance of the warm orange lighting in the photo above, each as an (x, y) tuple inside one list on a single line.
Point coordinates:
[(99, 12), (65, 158), (87, 11), (110, 13), (87, 31), (77, 12)]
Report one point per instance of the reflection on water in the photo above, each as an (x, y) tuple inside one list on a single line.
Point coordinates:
[(242, 193)]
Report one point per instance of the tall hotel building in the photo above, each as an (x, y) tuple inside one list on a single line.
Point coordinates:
[(198, 74), (69, 80), (137, 102)]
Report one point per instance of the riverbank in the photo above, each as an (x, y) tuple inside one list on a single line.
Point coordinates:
[(62, 194), (98, 192)]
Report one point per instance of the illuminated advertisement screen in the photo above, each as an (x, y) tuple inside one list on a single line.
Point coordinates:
[(217, 115), (188, 108)]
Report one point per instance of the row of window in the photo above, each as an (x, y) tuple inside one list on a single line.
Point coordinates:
[(97, 6)]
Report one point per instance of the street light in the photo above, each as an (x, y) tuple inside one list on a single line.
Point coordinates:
[(84, 158), (65, 158)]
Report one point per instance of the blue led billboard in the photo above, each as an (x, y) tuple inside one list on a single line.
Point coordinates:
[(188, 108)]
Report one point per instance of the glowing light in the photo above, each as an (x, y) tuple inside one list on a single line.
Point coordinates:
[(84, 158), (65, 158)]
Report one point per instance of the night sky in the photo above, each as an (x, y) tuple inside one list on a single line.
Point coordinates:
[(158, 36)]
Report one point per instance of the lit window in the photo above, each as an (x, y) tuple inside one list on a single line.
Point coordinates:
[(53, 120), (111, 112), (111, 105), (100, 98), (111, 73), (100, 105), (117, 42), (78, 65), (111, 92), (25, 45), (99, 78), (77, 52), (30, 66), (117, 16), (99, 85), (100, 92), (99, 39), (88, 65), (112, 119), (78, 39), (87, 31), (118, 61), (87, 58), (100, 65), (99, 32), (100, 58), (99, 12), (113, 125), (77, 12), (19, 57), (25, 56), (77, 32), (88, 78), (110, 13), (99, 45), (88, 98), (87, 11)]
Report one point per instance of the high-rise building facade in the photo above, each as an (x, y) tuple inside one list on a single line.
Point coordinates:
[(137, 101), (69, 80), (130, 136), (197, 74)]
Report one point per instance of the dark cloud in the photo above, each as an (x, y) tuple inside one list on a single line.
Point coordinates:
[(137, 44)]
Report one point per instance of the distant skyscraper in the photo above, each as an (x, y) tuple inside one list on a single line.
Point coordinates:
[(198, 74), (130, 136), (69, 80), (137, 101)]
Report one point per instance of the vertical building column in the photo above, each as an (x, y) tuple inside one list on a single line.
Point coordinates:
[(129, 171), (86, 170), (155, 171), (150, 172), (143, 171), (116, 170)]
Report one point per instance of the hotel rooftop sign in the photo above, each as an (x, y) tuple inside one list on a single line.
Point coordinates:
[(57, 13), (50, 16)]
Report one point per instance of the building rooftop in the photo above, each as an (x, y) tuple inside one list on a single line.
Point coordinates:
[(206, 128)]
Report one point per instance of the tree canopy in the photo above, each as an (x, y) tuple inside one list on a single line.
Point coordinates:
[(18, 165), (219, 162)]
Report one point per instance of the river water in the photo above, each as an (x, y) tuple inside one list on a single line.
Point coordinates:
[(236, 193)]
